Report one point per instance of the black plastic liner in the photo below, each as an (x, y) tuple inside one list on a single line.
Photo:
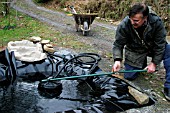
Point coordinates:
[(8, 69), (109, 94), (115, 94)]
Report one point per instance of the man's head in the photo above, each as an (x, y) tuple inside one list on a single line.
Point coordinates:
[(138, 14)]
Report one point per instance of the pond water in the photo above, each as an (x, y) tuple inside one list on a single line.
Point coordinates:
[(26, 98)]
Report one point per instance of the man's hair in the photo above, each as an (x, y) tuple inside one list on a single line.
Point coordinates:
[(139, 8)]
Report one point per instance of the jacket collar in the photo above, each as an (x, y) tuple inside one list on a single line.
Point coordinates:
[(152, 18)]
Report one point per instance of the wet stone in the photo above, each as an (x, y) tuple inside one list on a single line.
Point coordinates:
[(140, 97)]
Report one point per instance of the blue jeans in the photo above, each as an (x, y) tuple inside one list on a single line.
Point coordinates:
[(166, 61), (133, 75)]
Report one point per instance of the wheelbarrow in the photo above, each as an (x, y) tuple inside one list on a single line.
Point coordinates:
[(83, 21)]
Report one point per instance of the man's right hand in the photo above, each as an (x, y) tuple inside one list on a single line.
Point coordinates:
[(116, 66)]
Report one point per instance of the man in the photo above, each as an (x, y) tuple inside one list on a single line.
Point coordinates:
[(142, 34)]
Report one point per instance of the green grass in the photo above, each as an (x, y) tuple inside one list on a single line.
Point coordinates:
[(19, 27), (23, 27)]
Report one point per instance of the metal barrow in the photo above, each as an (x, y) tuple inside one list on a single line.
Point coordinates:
[(83, 21)]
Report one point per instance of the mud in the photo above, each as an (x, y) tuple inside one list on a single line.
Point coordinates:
[(101, 37)]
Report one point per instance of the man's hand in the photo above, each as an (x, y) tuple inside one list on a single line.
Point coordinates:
[(151, 68), (116, 66)]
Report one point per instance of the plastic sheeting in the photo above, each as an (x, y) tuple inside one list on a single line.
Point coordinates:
[(8, 69), (108, 94)]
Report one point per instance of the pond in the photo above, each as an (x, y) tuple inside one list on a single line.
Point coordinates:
[(101, 94)]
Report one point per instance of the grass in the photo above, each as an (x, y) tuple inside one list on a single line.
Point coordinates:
[(18, 28), (21, 27)]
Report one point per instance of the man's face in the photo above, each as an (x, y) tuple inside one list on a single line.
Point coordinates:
[(137, 20)]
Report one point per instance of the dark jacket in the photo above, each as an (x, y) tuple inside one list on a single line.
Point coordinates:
[(138, 48)]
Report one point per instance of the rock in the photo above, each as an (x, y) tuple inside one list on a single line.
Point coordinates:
[(45, 41), (49, 49), (49, 45), (26, 50), (35, 39), (140, 97)]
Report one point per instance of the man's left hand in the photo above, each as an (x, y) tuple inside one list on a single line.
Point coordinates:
[(151, 68)]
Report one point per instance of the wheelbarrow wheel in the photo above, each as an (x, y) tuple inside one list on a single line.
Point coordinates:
[(85, 27)]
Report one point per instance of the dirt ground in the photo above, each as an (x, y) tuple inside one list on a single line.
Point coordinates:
[(101, 38)]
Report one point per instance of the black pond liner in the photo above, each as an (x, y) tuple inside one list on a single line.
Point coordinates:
[(8, 67), (107, 94), (115, 94)]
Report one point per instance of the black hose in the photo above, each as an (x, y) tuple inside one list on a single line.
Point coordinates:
[(98, 58), (95, 62), (49, 86)]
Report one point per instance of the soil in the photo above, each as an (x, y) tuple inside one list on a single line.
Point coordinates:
[(101, 38)]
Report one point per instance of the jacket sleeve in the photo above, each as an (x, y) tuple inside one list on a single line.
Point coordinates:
[(119, 43), (159, 42)]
